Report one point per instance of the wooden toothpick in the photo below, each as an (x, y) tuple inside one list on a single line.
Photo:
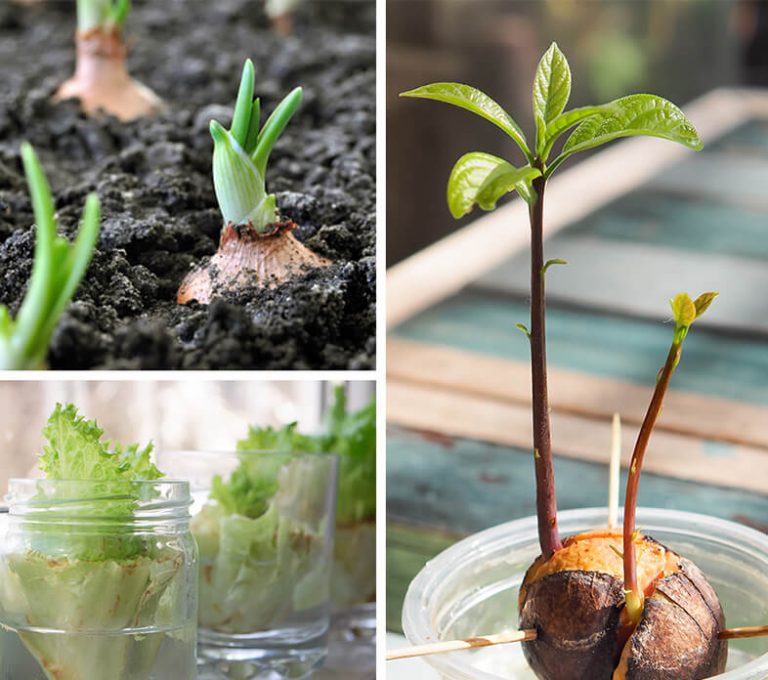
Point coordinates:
[(737, 633), (459, 645), (525, 636), (615, 469)]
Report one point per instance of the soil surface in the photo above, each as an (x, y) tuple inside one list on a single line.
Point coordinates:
[(154, 180)]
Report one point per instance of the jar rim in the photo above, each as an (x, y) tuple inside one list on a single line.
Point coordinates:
[(150, 499)]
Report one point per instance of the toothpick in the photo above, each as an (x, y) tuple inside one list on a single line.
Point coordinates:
[(736, 633), (459, 645), (613, 483)]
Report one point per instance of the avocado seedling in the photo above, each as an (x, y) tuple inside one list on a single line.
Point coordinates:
[(573, 596), (256, 247), (101, 80), (57, 270)]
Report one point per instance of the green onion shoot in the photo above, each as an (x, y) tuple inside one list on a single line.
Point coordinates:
[(280, 13), (58, 268), (101, 80), (256, 248)]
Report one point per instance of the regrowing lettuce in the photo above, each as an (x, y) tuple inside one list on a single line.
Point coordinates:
[(75, 579), (258, 544), (351, 436)]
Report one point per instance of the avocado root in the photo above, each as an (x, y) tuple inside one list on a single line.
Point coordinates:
[(249, 259), (575, 602), (101, 80)]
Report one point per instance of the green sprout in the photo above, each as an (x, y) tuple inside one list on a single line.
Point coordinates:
[(482, 179), (240, 156), (685, 311), (108, 14), (58, 268)]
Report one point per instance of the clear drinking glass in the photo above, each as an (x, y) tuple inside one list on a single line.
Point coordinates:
[(471, 588), (353, 584), (265, 536), (97, 580)]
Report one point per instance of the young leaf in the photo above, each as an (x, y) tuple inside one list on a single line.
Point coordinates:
[(549, 263), (565, 121), (274, 127), (551, 90), (477, 102), (637, 114), (703, 302), (241, 119), (482, 179), (685, 311)]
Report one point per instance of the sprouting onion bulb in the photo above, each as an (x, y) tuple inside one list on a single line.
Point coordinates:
[(101, 81), (58, 268), (256, 247), (240, 156)]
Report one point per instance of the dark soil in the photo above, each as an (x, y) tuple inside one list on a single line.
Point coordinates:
[(154, 180)]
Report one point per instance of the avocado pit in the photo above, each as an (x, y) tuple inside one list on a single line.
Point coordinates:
[(575, 602)]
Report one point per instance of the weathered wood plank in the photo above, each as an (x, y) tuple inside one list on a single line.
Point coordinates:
[(638, 279), (750, 138), (650, 217), (626, 349), (702, 176), (460, 371), (409, 548), (461, 415)]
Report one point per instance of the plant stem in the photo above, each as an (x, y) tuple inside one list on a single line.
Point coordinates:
[(91, 14), (635, 596), (546, 502)]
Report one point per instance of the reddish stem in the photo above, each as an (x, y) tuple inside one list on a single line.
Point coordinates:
[(633, 481), (546, 502)]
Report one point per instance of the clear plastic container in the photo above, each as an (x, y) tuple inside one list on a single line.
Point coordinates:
[(97, 580), (471, 588), (265, 579)]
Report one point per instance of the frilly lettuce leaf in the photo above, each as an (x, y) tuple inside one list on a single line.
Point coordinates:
[(75, 452)]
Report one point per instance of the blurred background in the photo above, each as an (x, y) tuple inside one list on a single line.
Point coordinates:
[(174, 414), (678, 49)]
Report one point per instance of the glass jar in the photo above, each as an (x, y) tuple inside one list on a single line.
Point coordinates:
[(471, 588), (264, 524), (97, 580)]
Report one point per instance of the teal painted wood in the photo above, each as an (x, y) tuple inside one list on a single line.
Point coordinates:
[(605, 345), (648, 216), (735, 179), (749, 138), (463, 486)]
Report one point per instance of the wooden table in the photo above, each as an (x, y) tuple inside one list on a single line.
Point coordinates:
[(638, 222)]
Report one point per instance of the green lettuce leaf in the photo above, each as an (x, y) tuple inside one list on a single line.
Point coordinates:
[(352, 436)]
